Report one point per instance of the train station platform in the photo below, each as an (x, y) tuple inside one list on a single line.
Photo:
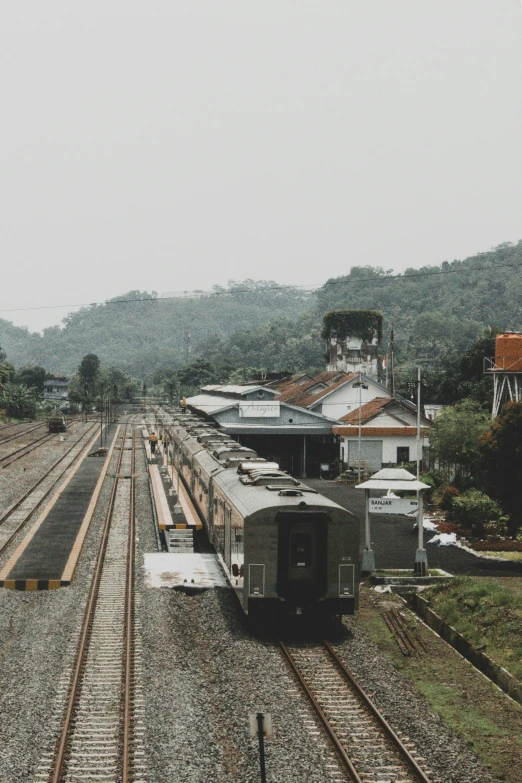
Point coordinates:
[(190, 571), (189, 510), (47, 556)]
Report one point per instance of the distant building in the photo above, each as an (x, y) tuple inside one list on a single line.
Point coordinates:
[(432, 411), (352, 340), (56, 389), (332, 393)]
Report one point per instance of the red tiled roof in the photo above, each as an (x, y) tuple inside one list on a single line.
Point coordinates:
[(368, 411), (372, 409), (308, 399), (406, 431), (297, 394)]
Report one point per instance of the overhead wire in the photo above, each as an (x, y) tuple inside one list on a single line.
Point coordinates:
[(197, 294)]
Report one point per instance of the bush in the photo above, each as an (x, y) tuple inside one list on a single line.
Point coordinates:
[(445, 497), (474, 509), (432, 478)]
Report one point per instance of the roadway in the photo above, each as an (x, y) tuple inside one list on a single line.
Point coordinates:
[(394, 541)]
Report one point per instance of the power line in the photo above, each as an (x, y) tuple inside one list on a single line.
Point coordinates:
[(198, 294)]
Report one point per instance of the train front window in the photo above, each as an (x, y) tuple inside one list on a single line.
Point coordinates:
[(301, 550)]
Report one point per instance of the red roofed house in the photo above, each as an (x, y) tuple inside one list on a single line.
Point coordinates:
[(333, 393), (388, 433)]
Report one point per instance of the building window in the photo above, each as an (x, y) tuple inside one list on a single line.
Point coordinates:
[(403, 454)]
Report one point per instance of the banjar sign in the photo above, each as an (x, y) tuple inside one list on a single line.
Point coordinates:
[(388, 505), (258, 410)]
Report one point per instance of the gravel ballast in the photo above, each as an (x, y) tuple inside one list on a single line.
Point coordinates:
[(203, 673)]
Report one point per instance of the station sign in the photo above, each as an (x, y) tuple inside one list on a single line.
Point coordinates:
[(387, 505), (259, 410)]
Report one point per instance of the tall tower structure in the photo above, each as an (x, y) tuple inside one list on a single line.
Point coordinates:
[(352, 340), (506, 369)]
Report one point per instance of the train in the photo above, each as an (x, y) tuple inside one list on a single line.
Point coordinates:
[(56, 423), (288, 551)]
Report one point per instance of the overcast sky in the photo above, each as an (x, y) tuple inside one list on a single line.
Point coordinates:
[(173, 145)]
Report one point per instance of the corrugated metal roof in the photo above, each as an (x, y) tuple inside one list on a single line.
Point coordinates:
[(209, 403), (249, 499)]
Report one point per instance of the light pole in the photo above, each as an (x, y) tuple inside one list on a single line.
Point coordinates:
[(361, 386)]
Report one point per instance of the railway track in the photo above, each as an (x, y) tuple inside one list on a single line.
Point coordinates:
[(100, 732), (368, 748), (18, 433), (20, 512), (23, 451)]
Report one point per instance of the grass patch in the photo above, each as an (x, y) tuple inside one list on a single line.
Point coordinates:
[(503, 555), (466, 701), (487, 613)]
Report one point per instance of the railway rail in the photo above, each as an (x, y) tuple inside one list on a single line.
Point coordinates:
[(368, 747), (101, 734), (18, 433), (23, 451), (15, 518)]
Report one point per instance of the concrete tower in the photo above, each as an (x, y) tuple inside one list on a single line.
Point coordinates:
[(352, 340)]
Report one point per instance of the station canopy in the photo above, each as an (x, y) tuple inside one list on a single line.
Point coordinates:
[(393, 478)]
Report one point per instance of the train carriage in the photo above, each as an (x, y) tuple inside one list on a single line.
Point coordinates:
[(286, 549)]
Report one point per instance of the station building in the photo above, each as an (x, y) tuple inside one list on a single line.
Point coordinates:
[(300, 440)]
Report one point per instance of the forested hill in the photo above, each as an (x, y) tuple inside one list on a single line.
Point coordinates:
[(432, 309), (139, 332), (440, 307)]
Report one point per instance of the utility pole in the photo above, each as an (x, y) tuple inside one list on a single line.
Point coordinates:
[(419, 455), (392, 364), (187, 346)]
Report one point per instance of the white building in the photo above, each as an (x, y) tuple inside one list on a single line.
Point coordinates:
[(388, 433), (56, 389)]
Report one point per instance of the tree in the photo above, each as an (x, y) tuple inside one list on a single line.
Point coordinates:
[(33, 376), (89, 369), (199, 373), (501, 461), (19, 401), (454, 441)]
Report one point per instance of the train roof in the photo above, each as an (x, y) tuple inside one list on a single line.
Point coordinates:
[(249, 499), (205, 460)]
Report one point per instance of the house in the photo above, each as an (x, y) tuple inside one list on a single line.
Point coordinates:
[(56, 389), (383, 432), (432, 411), (332, 393)]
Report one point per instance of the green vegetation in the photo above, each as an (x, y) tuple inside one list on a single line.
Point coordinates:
[(357, 323), (437, 313), (465, 700), (487, 613), (454, 441), (501, 458), (19, 401), (474, 510)]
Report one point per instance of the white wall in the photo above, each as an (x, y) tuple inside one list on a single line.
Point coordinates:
[(389, 445), (347, 398)]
